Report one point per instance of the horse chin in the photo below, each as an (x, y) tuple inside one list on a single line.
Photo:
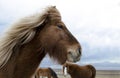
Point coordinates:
[(69, 58), (73, 61)]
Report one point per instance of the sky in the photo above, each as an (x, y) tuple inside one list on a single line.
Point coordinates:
[(95, 23)]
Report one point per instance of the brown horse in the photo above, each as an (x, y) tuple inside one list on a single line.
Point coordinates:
[(76, 71), (25, 44), (45, 72)]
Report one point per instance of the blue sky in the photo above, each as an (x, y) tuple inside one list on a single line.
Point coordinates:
[(95, 23)]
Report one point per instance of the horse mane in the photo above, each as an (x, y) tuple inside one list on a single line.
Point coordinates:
[(21, 33)]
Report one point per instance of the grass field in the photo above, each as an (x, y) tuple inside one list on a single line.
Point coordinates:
[(99, 74)]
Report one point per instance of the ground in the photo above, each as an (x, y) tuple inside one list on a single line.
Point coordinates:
[(99, 74)]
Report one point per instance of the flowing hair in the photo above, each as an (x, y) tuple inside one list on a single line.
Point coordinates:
[(21, 33)]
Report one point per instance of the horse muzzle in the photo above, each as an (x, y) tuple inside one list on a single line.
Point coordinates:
[(74, 54)]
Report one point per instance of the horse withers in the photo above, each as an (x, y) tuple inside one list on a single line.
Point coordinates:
[(27, 41)]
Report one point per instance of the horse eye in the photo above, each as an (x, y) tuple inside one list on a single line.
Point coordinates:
[(60, 26)]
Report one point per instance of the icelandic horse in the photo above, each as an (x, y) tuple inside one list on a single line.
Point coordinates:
[(45, 72), (77, 71), (26, 42)]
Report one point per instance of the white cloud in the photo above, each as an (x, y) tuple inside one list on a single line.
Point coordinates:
[(100, 38), (103, 13)]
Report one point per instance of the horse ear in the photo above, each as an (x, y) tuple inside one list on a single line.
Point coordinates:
[(54, 6)]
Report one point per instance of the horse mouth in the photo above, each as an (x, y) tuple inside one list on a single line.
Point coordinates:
[(73, 60), (73, 57), (74, 53)]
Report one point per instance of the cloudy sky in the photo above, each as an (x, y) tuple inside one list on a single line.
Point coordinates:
[(95, 23)]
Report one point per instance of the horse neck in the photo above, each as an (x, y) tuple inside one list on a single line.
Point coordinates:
[(73, 71), (26, 61)]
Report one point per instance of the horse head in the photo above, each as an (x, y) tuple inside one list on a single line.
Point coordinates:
[(56, 39)]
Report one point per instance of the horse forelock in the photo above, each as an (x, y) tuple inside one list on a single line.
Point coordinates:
[(22, 32)]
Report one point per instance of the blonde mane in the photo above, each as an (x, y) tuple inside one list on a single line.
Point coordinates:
[(20, 33)]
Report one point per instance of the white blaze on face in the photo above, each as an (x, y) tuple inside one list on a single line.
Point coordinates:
[(65, 71), (44, 77), (40, 76)]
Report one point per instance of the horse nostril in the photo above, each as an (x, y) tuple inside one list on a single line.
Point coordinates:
[(79, 50), (70, 52)]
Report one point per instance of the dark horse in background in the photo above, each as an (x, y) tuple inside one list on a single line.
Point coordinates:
[(26, 42), (45, 72), (77, 71)]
